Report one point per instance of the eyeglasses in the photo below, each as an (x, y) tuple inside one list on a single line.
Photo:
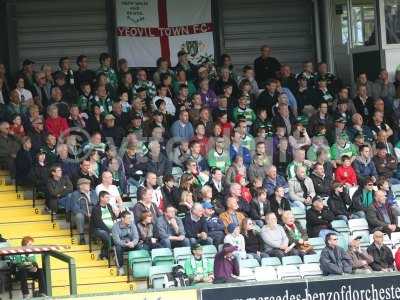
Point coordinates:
[(335, 239)]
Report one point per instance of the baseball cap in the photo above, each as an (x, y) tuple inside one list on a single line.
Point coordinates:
[(207, 205)]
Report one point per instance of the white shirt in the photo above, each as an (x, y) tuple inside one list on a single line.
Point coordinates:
[(24, 95), (112, 190), (169, 105)]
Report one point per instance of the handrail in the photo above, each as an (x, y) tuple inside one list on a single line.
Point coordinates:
[(47, 252)]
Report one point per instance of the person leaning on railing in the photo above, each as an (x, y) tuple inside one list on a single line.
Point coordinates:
[(26, 268)]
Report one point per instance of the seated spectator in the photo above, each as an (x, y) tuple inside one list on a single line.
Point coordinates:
[(381, 254), (342, 206), (181, 154), (236, 168), (218, 156), (151, 182), (363, 164), (226, 265), (182, 128), (82, 202), (195, 155), (342, 147), (217, 184), (24, 163), (215, 226), (365, 193), (125, 237), (145, 204), (170, 230), (169, 191), (108, 186), (361, 260), (196, 226), (58, 186), (253, 242), (84, 172), (236, 148), (383, 185), (40, 173), (276, 242), (345, 173), (385, 163), (334, 260), (55, 124), (279, 204), (236, 192), (379, 215), (299, 160), (68, 165), (101, 222), (359, 127), (299, 137), (207, 196), (244, 190), (185, 203), (260, 207), (296, 233), (234, 238), (147, 232), (27, 268), (301, 189), (319, 219), (322, 183), (232, 213), (197, 267), (273, 180)]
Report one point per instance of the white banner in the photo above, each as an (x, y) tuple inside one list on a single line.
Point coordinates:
[(149, 29)]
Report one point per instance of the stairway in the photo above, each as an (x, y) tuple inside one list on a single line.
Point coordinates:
[(18, 218)]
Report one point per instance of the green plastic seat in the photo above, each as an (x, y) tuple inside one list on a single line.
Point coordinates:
[(157, 274), (340, 226), (270, 261), (181, 254), (209, 251), (250, 263), (311, 258), (162, 256), (140, 262), (317, 243), (291, 260)]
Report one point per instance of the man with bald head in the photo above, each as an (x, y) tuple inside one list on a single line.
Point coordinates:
[(236, 192), (381, 254), (380, 216), (273, 180), (232, 213), (359, 128), (196, 226)]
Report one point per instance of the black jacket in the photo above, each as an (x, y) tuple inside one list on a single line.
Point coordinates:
[(275, 206), (96, 222), (383, 257), (253, 242), (316, 221), (279, 121), (322, 186), (266, 101), (255, 209), (24, 167), (376, 220), (338, 203)]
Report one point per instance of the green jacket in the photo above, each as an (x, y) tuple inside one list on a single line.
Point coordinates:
[(221, 161), (23, 260), (194, 268)]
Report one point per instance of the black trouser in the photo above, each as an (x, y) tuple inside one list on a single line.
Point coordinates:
[(24, 274)]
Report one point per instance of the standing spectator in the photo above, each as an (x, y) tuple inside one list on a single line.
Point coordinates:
[(265, 66), (24, 163), (170, 230), (82, 202), (125, 237), (83, 74), (334, 260), (360, 258), (319, 219), (276, 242), (382, 255)]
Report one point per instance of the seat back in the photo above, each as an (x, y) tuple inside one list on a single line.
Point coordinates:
[(250, 263), (288, 271), (299, 212), (395, 237), (162, 256), (317, 243), (157, 275), (358, 225), (291, 260), (340, 226), (311, 258), (270, 261), (310, 270), (209, 251), (265, 273)]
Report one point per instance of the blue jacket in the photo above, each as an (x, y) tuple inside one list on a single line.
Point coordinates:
[(215, 224), (364, 168), (193, 228), (76, 202), (186, 132), (269, 185), (241, 151)]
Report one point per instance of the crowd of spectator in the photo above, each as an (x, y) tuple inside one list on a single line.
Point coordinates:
[(210, 156)]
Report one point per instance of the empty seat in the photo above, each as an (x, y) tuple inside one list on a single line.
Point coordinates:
[(317, 243), (340, 226), (310, 270), (140, 262), (181, 254), (364, 242), (395, 190), (358, 226), (247, 274), (250, 263), (162, 256), (209, 251), (291, 260), (265, 274), (299, 213), (288, 272), (343, 241), (270, 261), (395, 238), (311, 258), (157, 275)]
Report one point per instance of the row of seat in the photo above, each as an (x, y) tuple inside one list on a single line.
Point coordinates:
[(269, 273)]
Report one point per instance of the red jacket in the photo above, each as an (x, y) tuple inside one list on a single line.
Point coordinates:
[(56, 126), (397, 259), (346, 175)]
